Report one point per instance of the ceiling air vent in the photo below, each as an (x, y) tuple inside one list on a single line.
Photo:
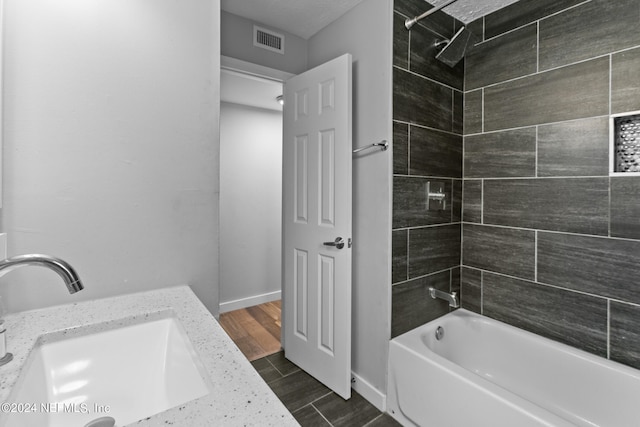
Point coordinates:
[(267, 39)]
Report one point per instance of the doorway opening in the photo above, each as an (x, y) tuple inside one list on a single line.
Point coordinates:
[(251, 206)]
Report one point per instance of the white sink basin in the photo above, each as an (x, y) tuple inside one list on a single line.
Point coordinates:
[(128, 373)]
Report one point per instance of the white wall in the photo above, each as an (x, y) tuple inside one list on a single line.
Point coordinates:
[(250, 203), (366, 33), (237, 42), (111, 146)]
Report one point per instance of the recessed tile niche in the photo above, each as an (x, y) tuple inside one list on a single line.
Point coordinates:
[(625, 144)]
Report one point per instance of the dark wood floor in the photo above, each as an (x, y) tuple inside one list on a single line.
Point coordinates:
[(255, 330)]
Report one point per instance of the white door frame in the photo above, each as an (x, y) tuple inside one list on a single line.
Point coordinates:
[(251, 69), (255, 70)]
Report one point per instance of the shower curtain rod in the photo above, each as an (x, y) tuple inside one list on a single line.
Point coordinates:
[(411, 22)]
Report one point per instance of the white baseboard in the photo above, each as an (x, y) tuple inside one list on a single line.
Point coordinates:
[(249, 301), (369, 392)]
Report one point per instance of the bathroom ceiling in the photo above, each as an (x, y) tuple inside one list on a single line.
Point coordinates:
[(304, 18)]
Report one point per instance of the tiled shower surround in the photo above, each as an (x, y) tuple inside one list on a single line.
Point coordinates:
[(550, 242), (427, 142)]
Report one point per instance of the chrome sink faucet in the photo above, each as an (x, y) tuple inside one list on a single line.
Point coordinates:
[(64, 270)]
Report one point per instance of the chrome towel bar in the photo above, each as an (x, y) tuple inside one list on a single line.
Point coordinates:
[(382, 144)]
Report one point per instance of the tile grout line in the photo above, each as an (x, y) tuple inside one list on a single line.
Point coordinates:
[(515, 178), (482, 111), (558, 122), (407, 263), (409, 50), (426, 78), (537, 46), (608, 329), (537, 148), (481, 202), (560, 67), (600, 297), (424, 276), (610, 79), (428, 177), (373, 420), (319, 411), (609, 211), (511, 227), (422, 227), (481, 292), (537, 20), (408, 149), (535, 256), (274, 367), (418, 125)]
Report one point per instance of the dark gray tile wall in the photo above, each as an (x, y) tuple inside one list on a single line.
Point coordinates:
[(625, 81), (595, 28), (472, 201), (400, 148), (521, 13), (600, 266), (423, 59), (428, 114), (399, 249), (575, 319), (432, 249), (572, 92), (625, 334), (412, 305), (435, 153), (501, 154), (473, 112), (572, 205), (625, 207), (421, 101), (575, 148), (551, 243), (502, 250), (410, 201), (504, 58), (471, 289)]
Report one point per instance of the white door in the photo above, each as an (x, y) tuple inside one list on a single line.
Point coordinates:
[(317, 209)]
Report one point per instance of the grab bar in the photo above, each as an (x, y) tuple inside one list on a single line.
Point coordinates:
[(382, 144)]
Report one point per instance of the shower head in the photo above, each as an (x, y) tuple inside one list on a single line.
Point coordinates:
[(457, 47)]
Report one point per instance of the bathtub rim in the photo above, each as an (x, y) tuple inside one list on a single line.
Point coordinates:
[(412, 342), (415, 335)]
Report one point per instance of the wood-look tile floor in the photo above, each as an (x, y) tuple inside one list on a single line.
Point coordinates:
[(311, 403), (256, 331)]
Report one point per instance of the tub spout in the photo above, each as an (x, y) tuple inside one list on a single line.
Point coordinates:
[(64, 270), (451, 298)]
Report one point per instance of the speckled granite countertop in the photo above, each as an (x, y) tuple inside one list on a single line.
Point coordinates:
[(239, 398)]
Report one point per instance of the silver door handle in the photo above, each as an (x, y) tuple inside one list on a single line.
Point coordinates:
[(338, 243)]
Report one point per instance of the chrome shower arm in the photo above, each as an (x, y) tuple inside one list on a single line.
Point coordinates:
[(410, 22)]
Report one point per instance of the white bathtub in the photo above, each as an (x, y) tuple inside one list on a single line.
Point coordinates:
[(486, 373)]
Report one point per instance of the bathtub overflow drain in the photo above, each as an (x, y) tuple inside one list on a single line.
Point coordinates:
[(439, 333)]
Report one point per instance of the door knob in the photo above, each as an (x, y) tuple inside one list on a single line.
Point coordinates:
[(338, 243)]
